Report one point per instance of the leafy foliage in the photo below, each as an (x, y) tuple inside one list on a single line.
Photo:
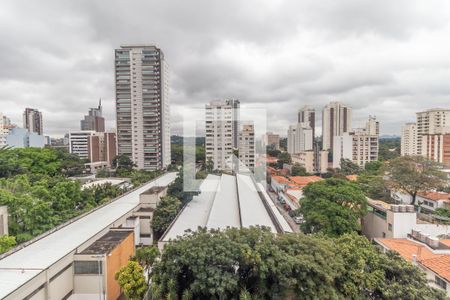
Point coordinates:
[(414, 174), (164, 214), (347, 167), (6, 243), (332, 206), (132, 281), (298, 170), (146, 257), (253, 263), (389, 149)]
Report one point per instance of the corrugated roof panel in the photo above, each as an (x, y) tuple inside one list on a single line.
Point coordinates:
[(225, 210)]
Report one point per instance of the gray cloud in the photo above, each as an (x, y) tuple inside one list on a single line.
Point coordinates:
[(384, 58)]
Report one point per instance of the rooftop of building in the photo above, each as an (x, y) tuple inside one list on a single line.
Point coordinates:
[(436, 261), (304, 180), (108, 242), (111, 181), (228, 201), (25, 263), (154, 190), (145, 209), (435, 196)]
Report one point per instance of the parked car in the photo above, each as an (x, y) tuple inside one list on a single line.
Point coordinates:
[(299, 219), (287, 207)]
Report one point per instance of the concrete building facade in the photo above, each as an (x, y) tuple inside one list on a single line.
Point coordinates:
[(219, 118), (360, 145), (307, 114), (336, 120), (430, 122), (299, 138), (409, 139), (32, 121), (94, 119), (142, 106), (22, 138), (272, 140), (247, 146)]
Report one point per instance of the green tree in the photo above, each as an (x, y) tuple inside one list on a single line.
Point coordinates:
[(298, 170), (389, 149), (347, 167), (251, 263), (164, 214), (373, 186), (6, 243), (283, 158), (374, 167), (332, 206), (146, 257), (132, 281), (414, 174)]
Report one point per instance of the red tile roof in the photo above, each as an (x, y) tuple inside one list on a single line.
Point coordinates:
[(435, 196), (304, 180), (352, 177), (281, 179), (437, 263)]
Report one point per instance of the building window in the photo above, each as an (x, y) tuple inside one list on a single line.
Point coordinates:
[(440, 282), (87, 267), (389, 226)]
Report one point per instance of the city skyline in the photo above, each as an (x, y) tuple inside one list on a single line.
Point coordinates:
[(301, 61)]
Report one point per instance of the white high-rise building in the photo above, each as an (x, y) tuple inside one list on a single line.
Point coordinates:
[(219, 134), (79, 142), (142, 106), (299, 138), (429, 122), (247, 146), (360, 145), (409, 139), (336, 120)]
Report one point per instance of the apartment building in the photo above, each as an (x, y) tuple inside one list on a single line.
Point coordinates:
[(142, 106), (360, 145), (32, 121), (271, 139), (409, 139), (102, 147), (313, 161), (307, 114), (94, 119), (430, 122), (247, 147), (79, 142), (219, 118), (436, 147), (336, 120), (299, 138)]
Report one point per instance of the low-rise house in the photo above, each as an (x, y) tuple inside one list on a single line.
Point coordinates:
[(430, 201), (385, 220), (302, 181), (429, 254)]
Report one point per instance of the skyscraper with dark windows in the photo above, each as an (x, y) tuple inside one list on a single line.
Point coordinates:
[(94, 119)]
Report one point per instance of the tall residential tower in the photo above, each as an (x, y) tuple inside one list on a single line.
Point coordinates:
[(142, 106), (336, 120), (32, 121), (94, 119)]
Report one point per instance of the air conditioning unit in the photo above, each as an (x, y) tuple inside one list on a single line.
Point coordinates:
[(433, 242)]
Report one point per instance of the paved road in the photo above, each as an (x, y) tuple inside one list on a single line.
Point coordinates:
[(295, 227)]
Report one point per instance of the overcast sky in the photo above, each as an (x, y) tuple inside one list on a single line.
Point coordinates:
[(384, 58)]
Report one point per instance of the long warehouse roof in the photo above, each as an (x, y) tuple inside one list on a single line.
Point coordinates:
[(21, 266), (228, 201)]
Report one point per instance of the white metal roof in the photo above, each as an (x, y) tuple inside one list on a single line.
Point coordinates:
[(196, 212), (225, 209), (253, 211), (43, 253)]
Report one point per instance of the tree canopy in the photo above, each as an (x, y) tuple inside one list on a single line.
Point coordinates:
[(332, 206), (253, 263), (414, 174), (164, 214)]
